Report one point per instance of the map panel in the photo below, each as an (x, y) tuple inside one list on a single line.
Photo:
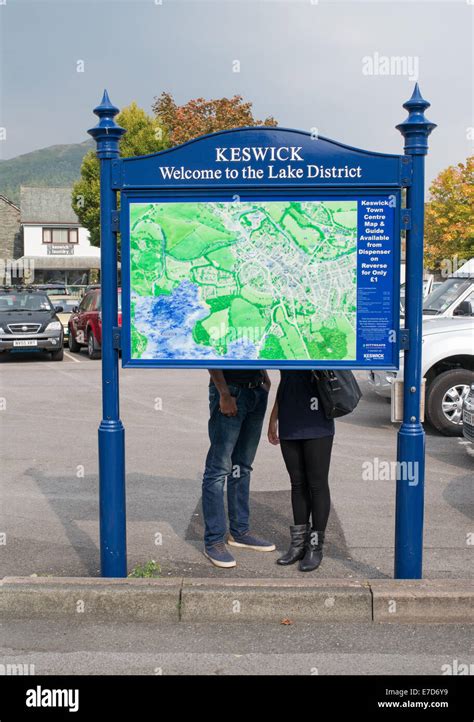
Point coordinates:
[(243, 280)]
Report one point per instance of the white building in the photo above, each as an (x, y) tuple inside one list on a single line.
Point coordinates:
[(55, 246)]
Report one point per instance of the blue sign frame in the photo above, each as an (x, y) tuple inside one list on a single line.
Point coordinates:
[(389, 361), (378, 171)]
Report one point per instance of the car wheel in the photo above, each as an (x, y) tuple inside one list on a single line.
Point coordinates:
[(73, 346), (444, 400), (93, 349), (58, 355)]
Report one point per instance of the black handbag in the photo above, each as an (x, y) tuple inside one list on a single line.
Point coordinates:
[(338, 392)]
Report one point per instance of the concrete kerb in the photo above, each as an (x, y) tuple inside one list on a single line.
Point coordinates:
[(437, 601), (335, 600), (228, 600)]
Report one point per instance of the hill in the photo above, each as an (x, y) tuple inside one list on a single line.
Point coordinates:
[(56, 166)]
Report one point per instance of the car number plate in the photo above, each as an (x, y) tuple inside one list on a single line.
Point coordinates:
[(468, 418), (26, 342)]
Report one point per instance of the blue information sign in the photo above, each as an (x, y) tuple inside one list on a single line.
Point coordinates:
[(295, 265), (268, 247)]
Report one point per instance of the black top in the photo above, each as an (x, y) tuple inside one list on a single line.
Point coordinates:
[(242, 376), (300, 415)]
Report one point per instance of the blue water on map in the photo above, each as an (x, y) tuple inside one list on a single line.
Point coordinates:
[(168, 322)]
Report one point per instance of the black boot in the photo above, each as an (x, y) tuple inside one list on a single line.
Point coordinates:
[(297, 545), (313, 551)]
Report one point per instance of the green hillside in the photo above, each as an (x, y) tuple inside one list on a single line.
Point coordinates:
[(56, 166)]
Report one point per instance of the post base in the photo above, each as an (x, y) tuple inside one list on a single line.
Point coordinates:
[(409, 505), (113, 541)]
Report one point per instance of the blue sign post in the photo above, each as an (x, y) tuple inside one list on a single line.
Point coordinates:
[(411, 436), (257, 228), (113, 533)]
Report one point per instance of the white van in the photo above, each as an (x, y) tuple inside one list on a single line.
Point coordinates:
[(447, 366), (452, 297)]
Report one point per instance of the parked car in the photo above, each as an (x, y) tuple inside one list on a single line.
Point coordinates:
[(28, 320), (85, 323), (52, 289), (69, 303), (448, 367), (468, 415)]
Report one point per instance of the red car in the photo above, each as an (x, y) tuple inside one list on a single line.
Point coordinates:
[(85, 323)]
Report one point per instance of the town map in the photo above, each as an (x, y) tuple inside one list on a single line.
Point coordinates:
[(243, 280)]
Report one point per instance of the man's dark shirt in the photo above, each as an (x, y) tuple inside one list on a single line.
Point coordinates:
[(243, 376)]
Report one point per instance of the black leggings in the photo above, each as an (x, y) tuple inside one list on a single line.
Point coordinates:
[(307, 461)]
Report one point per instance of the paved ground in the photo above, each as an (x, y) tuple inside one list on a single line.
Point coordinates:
[(301, 648), (48, 434)]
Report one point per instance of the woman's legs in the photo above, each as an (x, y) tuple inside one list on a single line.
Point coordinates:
[(294, 457), (316, 461)]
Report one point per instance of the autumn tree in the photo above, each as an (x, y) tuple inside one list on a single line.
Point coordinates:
[(199, 117), (449, 215), (144, 135)]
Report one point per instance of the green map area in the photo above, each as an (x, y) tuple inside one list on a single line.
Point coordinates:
[(244, 280)]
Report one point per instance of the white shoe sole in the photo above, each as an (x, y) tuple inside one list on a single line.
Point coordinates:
[(233, 543), (222, 565)]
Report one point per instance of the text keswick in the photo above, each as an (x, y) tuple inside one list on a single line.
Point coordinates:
[(259, 155)]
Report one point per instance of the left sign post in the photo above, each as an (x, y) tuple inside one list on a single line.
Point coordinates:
[(113, 537)]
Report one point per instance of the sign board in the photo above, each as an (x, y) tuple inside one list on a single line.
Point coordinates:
[(60, 249), (295, 264)]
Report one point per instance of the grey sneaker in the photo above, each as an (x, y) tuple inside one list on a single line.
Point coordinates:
[(219, 556), (250, 541)]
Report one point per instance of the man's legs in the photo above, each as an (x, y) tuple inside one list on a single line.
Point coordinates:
[(238, 481), (223, 434)]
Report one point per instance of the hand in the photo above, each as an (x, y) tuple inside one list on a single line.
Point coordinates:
[(273, 432), (228, 405)]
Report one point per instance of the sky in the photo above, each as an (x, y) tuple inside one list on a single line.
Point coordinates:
[(309, 63)]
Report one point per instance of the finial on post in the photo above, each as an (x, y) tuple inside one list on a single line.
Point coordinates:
[(416, 128), (106, 133)]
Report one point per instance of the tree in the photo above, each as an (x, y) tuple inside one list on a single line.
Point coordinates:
[(199, 117), (144, 135), (449, 216)]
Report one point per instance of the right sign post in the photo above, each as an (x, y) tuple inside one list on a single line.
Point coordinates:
[(411, 436)]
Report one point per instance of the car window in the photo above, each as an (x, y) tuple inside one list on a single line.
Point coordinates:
[(25, 302), (463, 308), (86, 302), (95, 302), (119, 301), (68, 304), (442, 297)]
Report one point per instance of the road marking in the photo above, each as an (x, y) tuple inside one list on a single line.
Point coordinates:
[(72, 357)]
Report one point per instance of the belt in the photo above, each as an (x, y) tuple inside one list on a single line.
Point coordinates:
[(248, 385)]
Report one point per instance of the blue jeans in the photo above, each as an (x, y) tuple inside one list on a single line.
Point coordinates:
[(234, 442)]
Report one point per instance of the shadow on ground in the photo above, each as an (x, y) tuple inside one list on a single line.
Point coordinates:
[(154, 501)]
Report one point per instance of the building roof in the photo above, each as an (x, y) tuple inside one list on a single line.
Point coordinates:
[(46, 205), (42, 263), (10, 203)]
